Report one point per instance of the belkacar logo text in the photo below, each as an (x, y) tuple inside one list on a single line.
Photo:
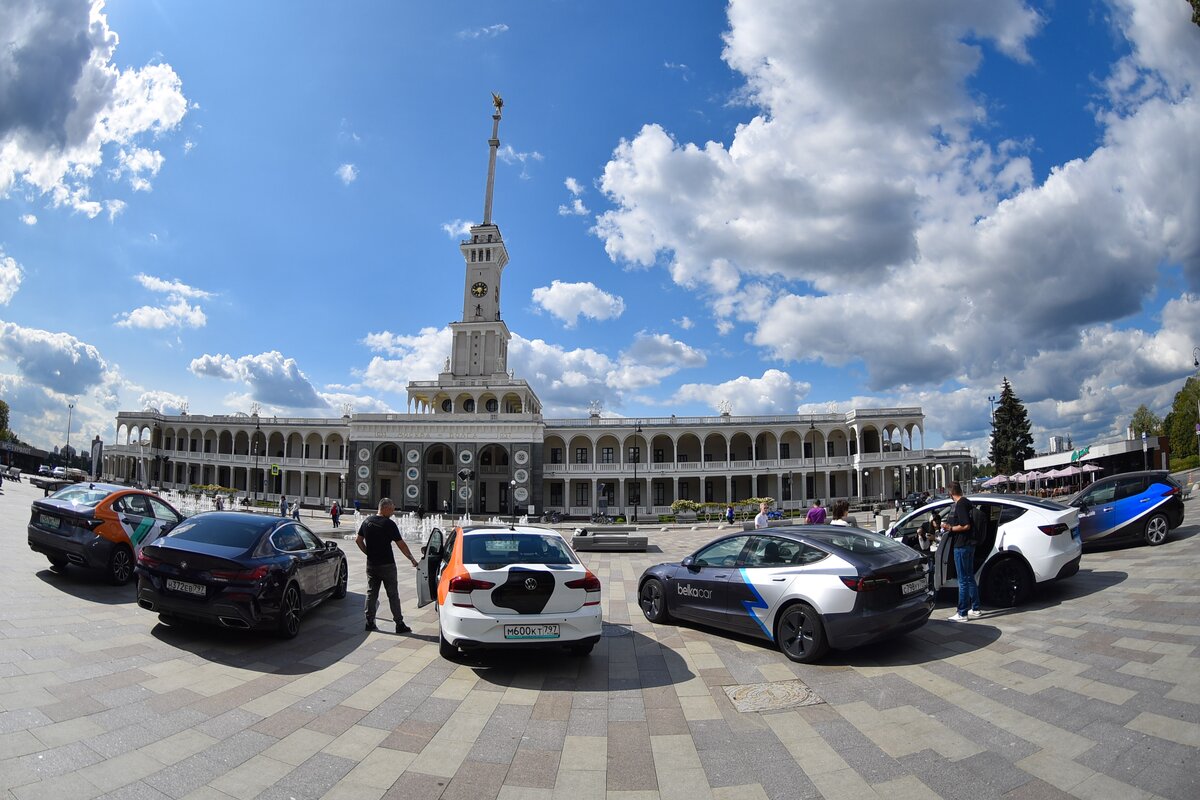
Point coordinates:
[(688, 590)]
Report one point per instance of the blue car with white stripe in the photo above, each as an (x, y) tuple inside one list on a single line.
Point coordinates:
[(1132, 506), (806, 588)]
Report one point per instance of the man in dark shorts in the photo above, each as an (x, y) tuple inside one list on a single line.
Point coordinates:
[(375, 537)]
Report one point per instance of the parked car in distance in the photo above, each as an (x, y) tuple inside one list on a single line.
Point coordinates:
[(58, 472), (43, 469), (99, 526), (806, 590), (1028, 541), (1130, 507), (508, 587), (240, 570)]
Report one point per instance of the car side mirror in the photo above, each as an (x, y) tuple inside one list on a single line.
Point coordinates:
[(331, 546), (690, 563)]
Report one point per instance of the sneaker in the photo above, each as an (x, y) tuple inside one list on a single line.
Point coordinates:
[(958, 618), (974, 613), (370, 626), (402, 628)]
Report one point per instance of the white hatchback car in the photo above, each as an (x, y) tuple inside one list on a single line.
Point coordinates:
[(512, 586), (1028, 541)]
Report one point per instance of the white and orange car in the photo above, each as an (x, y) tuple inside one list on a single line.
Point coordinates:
[(508, 587)]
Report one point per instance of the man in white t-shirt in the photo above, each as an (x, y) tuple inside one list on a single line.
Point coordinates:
[(760, 521)]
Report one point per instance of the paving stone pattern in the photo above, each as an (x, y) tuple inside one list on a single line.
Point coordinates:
[(1090, 691)]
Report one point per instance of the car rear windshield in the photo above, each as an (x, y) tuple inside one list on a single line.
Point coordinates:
[(857, 541), (1038, 502), (223, 531), (80, 496), (494, 550)]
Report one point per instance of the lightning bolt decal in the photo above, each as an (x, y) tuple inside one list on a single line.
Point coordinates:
[(756, 603)]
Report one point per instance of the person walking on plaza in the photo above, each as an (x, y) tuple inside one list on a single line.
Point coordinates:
[(296, 510), (334, 512), (816, 514), (729, 514), (962, 542), (375, 537), (760, 521), (839, 512), (283, 505)]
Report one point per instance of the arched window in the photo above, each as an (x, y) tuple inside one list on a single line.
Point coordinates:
[(492, 405)]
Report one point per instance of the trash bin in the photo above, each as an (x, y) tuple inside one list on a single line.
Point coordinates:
[(882, 521)]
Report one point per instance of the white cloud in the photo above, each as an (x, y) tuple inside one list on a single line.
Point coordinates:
[(860, 196), (418, 357), (29, 219), (39, 414), (347, 173), (684, 71), (573, 186), (65, 104), (684, 322), (570, 301), (173, 312), (510, 156), (775, 392), (57, 361), (457, 228), (576, 209), (138, 161), (114, 208), (650, 359), (272, 378), (165, 402), (487, 32), (11, 275)]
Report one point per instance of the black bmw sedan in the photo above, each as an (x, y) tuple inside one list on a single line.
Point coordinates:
[(240, 570)]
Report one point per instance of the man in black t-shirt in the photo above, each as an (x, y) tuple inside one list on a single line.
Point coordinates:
[(962, 539), (375, 537)]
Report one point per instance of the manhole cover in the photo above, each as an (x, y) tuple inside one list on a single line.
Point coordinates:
[(609, 629), (772, 696)]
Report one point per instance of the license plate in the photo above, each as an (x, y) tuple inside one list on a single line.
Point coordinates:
[(47, 521), (185, 587), (914, 586), (531, 631)]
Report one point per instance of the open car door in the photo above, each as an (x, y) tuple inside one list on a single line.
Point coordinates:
[(427, 568)]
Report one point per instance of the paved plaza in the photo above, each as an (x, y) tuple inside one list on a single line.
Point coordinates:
[(1091, 691)]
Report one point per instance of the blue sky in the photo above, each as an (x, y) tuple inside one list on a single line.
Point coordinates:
[(791, 206)]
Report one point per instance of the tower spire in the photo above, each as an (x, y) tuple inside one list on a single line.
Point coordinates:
[(494, 143)]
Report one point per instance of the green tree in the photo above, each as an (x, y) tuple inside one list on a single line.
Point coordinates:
[(1196, 11), (1180, 424), (3, 417), (1012, 442), (1145, 421)]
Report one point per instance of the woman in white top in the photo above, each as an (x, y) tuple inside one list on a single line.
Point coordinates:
[(840, 511)]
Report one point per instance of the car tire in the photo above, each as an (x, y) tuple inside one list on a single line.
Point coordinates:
[(800, 634), (445, 649), (343, 579), (1007, 582), (581, 649), (58, 563), (289, 612), (120, 565), (1157, 529), (652, 597)]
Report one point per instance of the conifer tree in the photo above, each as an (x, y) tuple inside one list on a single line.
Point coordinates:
[(1012, 442)]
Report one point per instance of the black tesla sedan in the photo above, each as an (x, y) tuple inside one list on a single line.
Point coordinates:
[(240, 570)]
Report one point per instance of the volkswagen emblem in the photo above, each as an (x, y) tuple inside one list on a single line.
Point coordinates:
[(531, 583)]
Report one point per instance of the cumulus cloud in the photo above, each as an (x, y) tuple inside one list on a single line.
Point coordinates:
[(457, 228), (510, 156), (173, 312), (852, 181), (652, 358), (486, 32), (271, 377), (569, 301), (57, 361), (576, 207), (405, 358), (64, 105), (775, 392), (11, 276), (39, 414), (165, 402), (347, 173), (684, 322), (29, 219)]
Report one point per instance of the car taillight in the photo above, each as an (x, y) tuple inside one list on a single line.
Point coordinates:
[(1171, 491), (864, 584), (590, 584), (144, 560), (256, 574), (464, 585), (1054, 530)]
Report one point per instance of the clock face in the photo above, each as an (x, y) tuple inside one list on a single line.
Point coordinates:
[(479, 289)]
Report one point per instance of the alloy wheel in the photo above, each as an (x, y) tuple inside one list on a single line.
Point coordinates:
[(1156, 530), (290, 611), (120, 566)]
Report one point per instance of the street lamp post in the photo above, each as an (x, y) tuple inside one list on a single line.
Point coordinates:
[(637, 456), (254, 449), (812, 428), (512, 503), (67, 453)]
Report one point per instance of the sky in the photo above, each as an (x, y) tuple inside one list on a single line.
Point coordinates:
[(792, 206)]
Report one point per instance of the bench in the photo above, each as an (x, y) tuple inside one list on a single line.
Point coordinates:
[(612, 537)]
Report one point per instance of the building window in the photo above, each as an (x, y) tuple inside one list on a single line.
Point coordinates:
[(492, 405), (708, 491), (473, 256), (488, 254), (707, 457), (635, 455), (635, 495), (682, 458), (829, 449), (556, 458), (556, 494), (581, 494), (658, 455), (659, 495), (785, 450), (606, 455), (787, 487), (581, 455)]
